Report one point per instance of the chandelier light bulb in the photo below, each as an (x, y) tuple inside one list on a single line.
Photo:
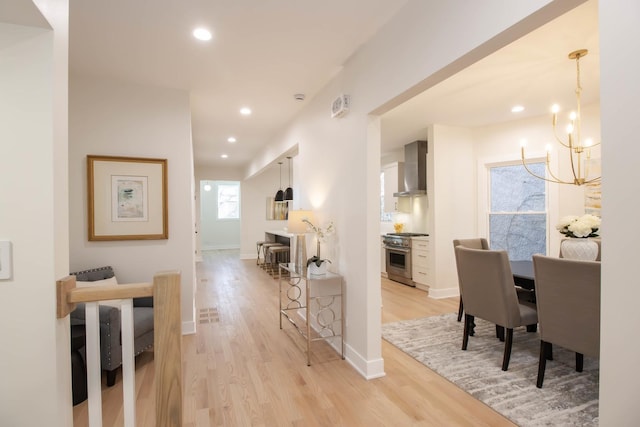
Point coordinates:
[(523, 143), (548, 148), (573, 116), (588, 142), (569, 129), (555, 108)]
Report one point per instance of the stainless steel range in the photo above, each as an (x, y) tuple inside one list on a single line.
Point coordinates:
[(397, 248)]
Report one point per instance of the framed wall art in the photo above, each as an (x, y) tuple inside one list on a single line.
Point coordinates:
[(127, 198)]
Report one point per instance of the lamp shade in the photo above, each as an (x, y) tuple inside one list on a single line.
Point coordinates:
[(288, 193), (295, 224)]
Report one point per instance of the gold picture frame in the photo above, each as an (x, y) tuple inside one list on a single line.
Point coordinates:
[(127, 198)]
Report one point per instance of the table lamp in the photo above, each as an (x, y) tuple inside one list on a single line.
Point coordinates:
[(296, 226)]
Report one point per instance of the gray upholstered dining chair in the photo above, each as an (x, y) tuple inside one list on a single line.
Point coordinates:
[(490, 294), (477, 243), (481, 243), (568, 300)]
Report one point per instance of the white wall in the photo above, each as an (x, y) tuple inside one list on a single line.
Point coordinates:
[(452, 202), (35, 357), (123, 119), (255, 191), (339, 159), (620, 317)]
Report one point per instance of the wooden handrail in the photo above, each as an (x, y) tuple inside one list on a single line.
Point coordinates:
[(68, 295), (167, 331), (102, 293)]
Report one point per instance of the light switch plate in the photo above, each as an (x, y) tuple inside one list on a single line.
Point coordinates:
[(5, 259)]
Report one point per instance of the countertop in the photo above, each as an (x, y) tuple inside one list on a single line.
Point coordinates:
[(282, 233)]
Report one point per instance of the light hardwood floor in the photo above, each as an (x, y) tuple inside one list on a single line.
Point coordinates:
[(240, 369)]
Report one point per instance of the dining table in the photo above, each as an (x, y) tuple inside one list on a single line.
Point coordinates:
[(523, 277), (522, 272)]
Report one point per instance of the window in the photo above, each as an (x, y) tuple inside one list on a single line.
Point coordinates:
[(229, 201), (518, 210), (384, 216)]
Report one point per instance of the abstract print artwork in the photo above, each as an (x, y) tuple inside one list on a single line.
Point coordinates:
[(129, 198)]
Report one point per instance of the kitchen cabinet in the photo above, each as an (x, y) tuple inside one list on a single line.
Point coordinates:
[(393, 176), (420, 266)]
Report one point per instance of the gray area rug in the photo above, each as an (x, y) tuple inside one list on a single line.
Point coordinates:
[(567, 397)]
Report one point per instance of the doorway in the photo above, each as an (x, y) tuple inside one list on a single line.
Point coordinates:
[(219, 215)]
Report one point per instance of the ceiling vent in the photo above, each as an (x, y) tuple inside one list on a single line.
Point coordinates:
[(340, 106)]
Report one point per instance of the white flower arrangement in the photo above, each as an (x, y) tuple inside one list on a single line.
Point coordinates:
[(321, 236), (579, 226)]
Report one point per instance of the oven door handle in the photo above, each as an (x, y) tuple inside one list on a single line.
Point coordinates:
[(392, 248)]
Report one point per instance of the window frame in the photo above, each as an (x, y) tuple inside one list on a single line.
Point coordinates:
[(220, 184), (484, 195)]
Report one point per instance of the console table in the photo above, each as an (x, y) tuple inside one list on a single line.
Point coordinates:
[(321, 292)]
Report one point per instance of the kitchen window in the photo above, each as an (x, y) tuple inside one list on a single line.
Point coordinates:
[(517, 214), (384, 216)]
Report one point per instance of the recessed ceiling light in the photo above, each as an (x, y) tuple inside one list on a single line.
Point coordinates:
[(517, 109), (231, 139), (202, 34), (245, 111), (224, 156)]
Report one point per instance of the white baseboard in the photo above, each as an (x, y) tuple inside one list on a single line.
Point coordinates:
[(218, 247), (444, 293), (188, 328), (369, 369), (422, 287)]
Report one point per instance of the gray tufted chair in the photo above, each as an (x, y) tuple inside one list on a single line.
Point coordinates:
[(110, 338)]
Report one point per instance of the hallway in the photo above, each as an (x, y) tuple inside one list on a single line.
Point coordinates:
[(240, 369)]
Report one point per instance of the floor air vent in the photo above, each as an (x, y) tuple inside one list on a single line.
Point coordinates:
[(208, 315)]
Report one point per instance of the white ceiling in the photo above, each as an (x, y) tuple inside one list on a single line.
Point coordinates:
[(534, 71), (263, 52)]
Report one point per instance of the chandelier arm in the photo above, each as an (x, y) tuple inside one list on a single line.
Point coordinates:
[(598, 178), (555, 180), (555, 133)]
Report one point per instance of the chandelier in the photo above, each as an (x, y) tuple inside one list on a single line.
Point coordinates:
[(579, 152)]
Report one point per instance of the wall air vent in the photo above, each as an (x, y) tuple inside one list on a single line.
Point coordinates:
[(340, 106)]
